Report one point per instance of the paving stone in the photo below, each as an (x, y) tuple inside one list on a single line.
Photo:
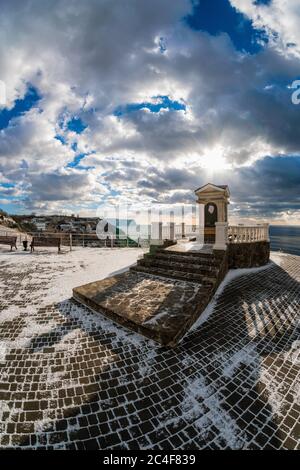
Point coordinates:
[(73, 380)]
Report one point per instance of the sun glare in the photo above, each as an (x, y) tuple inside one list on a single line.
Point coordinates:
[(214, 160)]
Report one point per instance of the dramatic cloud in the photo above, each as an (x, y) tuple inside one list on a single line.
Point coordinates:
[(148, 100), (278, 18)]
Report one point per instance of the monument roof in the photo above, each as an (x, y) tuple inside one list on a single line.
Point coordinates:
[(222, 187)]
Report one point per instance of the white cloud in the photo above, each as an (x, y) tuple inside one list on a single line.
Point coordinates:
[(278, 18), (88, 58)]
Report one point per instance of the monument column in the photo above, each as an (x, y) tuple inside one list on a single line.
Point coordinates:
[(221, 236), (200, 234)]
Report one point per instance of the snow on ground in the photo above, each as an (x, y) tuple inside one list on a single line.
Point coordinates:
[(12, 312), (230, 276), (90, 321), (246, 356), (199, 395), (54, 276), (277, 257), (70, 269), (63, 272)]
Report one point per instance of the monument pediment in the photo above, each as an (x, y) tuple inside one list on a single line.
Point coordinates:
[(212, 188)]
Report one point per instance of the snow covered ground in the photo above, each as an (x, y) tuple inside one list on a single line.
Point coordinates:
[(69, 269)]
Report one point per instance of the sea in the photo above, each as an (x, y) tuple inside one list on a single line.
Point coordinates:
[(285, 238)]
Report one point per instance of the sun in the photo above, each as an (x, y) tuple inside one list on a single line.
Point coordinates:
[(215, 161)]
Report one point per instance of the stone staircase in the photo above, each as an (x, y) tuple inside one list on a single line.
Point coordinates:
[(162, 296), (203, 268)]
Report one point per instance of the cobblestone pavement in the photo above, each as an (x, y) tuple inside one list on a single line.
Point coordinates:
[(71, 379)]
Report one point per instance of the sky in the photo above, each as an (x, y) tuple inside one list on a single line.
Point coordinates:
[(133, 100)]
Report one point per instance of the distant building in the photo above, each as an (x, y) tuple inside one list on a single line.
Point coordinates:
[(66, 227), (40, 226)]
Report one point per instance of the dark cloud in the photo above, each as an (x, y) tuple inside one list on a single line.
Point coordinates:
[(61, 191), (87, 59)]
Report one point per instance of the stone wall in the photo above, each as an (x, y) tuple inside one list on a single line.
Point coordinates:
[(248, 255)]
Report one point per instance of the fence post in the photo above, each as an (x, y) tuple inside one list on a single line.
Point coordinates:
[(70, 241), (266, 232), (156, 233), (172, 231)]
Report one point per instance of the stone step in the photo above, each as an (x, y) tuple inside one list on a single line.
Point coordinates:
[(190, 277), (184, 258), (190, 260), (199, 253), (184, 262), (204, 269)]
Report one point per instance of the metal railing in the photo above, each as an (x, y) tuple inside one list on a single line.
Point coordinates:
[(78, 239)]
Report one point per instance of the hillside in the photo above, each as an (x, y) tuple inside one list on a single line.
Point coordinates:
[(7, 222)]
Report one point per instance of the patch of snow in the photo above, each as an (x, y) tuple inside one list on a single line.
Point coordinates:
[(91, 320), (43, 425), (230, 276), (295, 390), (88, 265), (147, 362), (276, 392), (192, 246), (28, 333), (3, 352), (195, 392), (247, 356), (12, 312), (293, 355), (69, 343), (277, 257), (200, 397)]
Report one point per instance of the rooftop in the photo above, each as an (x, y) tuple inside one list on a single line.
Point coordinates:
[(212, 187), (73, 379)]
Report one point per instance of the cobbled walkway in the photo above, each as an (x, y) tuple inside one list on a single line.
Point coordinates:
[(73, 380)]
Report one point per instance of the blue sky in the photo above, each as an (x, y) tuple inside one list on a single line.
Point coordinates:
[(76, 125), (219, 17), (20, 107), (200, 92), (158, 103)]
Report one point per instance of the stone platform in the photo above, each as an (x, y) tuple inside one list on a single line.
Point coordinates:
[(187, 246), (159, 308), (161, 297)]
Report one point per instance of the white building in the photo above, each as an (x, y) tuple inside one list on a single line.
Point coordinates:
[(41, 226)]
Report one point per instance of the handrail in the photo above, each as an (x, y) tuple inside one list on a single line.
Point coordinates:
[(248, 233)]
